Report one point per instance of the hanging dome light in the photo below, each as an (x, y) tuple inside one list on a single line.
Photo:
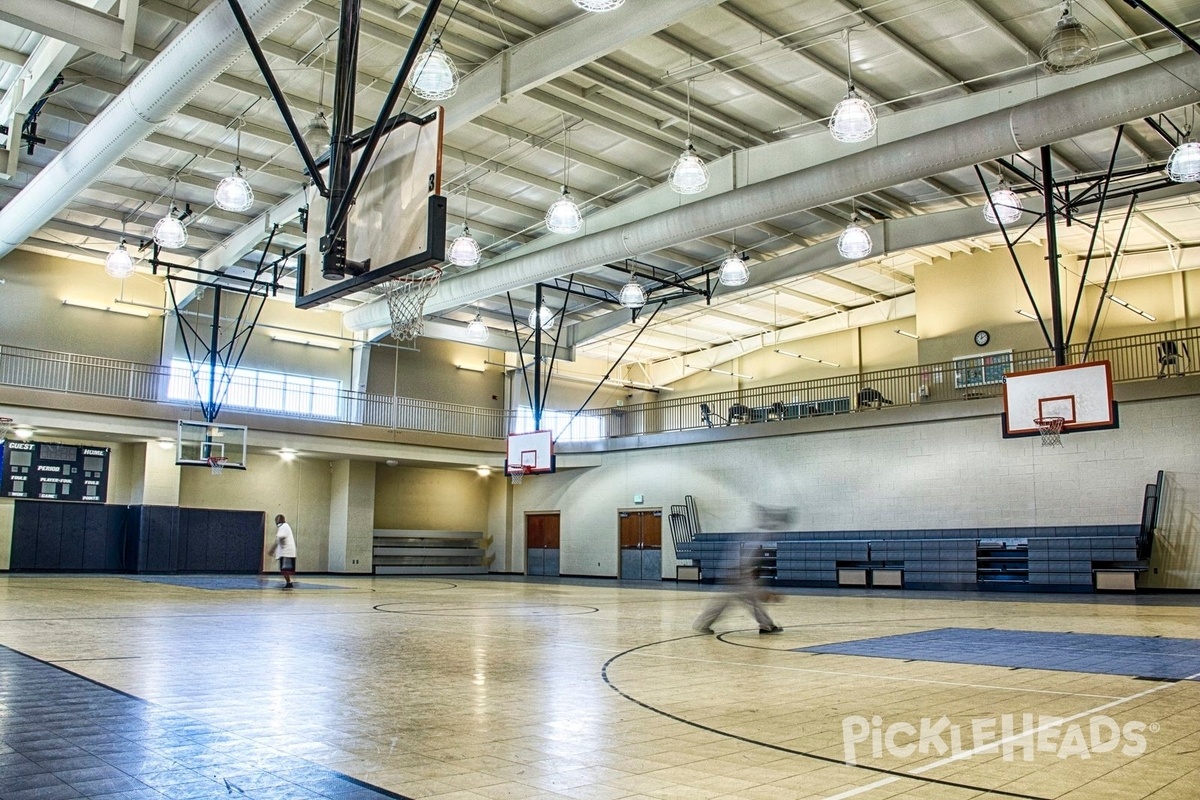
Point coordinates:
[(1071, 46), (316, 134), (853, 119), (1184, 164), (541, 317), (119, 263), (234, 193), (733, 270), (599, 5), (632, 294), (563, 215), (464, 250), (855, 242), (1004, 207), (433, 75), (169, 232), (688, 175), (477, 330)]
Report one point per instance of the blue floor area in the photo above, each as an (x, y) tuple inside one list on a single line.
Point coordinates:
[(1138, 656), (64, 737), (218, 583)]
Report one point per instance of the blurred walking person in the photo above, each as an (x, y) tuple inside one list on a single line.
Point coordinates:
[(750, 590), (285, 550)]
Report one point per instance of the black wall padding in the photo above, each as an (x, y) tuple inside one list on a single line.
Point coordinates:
[(220, 541), (70, 537), (87, 537)]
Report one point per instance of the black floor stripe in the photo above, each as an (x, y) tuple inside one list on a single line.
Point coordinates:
[(788, 750), (50, 714)]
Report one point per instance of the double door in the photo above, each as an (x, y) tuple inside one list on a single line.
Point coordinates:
[(541, 544), (641, 545)]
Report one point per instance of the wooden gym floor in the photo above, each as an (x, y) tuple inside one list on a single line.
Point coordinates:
[(507, 689)]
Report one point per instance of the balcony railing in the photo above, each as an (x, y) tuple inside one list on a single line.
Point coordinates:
[(1133, 358), (124, 380)]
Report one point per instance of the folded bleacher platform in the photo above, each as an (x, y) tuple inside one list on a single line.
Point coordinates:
[(1059, 558), (1073, 558)]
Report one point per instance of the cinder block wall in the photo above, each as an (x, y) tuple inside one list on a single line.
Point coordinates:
[(953, 473)]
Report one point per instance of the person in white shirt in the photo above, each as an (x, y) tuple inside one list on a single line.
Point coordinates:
[(285, 550)]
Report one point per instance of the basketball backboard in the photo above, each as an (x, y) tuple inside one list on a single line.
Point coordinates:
[(199, 442), (397, 222), (1081, 395), (534, 450)]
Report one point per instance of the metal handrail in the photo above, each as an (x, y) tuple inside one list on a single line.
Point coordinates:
[(1133, 358)]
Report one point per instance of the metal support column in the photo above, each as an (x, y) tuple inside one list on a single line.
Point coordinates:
[(1056, 315), (210, 412), (333, 245), (537, 360)]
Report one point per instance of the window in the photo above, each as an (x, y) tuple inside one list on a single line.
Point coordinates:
[(585, 427), (258, 390)]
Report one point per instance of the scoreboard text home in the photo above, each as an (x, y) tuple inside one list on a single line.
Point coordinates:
[(45, 471)]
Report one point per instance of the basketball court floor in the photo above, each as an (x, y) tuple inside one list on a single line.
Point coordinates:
[(499, 689)]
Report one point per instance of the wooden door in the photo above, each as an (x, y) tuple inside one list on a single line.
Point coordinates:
[(541, 544), (640, 537)]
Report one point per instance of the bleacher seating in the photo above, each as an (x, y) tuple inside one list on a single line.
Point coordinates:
[(1033, 558)]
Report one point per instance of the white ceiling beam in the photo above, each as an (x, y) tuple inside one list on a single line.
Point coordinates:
[(803, 155), (74, 23), (517, 71), (48, 59)]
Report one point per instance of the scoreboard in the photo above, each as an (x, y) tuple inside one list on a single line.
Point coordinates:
[(45, 471)]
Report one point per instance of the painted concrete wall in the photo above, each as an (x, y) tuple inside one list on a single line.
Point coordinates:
[(33, 314), (412, 498), (351, 515), (431, 373), (954, 473), (299, 489)]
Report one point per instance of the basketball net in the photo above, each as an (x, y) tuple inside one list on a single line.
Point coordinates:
[(217, 463), (406, 300), (517, 472), (1051, 430), (5, 427)]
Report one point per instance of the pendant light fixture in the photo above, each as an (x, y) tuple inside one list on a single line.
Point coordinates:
[(119, 263), (564, 216), (170, 232), (599, 5), (234, 193), (855, 241), (477, 329), (733, 270), (541, 317), (632, 294), (434, 76), (316, 133), (1071, 46), (688, 175), (1003, 206), (464, 250), (853, 119), (1184, 164)]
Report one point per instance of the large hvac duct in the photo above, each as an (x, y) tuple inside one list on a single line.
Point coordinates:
[(201, 52), (1082, 109)]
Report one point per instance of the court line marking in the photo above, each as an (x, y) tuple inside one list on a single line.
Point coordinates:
[(1007, 740), (780, 748)]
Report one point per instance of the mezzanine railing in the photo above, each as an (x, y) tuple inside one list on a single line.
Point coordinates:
[(1133, 358), (279, 395)]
